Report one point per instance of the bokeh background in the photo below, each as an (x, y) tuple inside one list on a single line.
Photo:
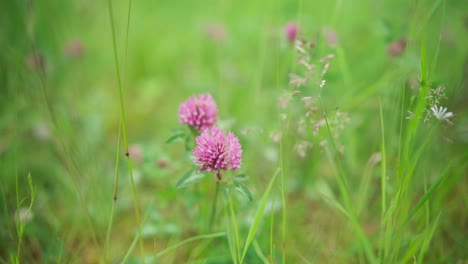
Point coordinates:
[(60, 114)]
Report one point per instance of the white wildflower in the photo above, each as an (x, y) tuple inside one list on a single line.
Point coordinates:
[(24, 215), (441, 113)]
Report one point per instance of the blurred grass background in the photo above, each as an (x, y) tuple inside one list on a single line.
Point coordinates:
[(59, 122)]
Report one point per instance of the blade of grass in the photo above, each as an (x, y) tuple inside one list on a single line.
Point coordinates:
[(60, 143), (21, 223), (401, 137), (124, 129), (233, 222), (258, 215), (383, 179), (283, 209), (278, 86), (421, 105), (259, 252), (231, 239), (436, 53), (428, 194), (114, 201), (188, 240), (427, 240), (410, 168), (414, 243), (136, 238), (5, 204), (213, 206), (272, 226), (343, 187), (335, 204)]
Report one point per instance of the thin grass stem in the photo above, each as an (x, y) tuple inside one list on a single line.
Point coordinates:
[(124, 130), (213, 206), (114, 200)]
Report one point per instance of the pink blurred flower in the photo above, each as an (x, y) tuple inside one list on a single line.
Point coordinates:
[(330, 35), (74, 48), (397, 47), (136, 153), (162, 163), (290, 30), (217, 151), (216, 31), (199, 111)]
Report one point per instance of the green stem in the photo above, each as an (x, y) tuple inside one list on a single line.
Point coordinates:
[(383, 179), (124, 131), (116, 177), (188, 240), (344, 190), (215, 201)]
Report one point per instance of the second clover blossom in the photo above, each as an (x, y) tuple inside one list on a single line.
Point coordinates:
[(217, 151), (199, 111), (290, 30)]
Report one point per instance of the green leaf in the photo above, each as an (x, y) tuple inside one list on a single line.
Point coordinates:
[(177, 135), (240, 177), (191, 177), (243, 190), (175, 139), (227, 191)]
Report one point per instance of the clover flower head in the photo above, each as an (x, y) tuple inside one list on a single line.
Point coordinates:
[(441, 113), (199, 111), (217, 150), (290, 30)]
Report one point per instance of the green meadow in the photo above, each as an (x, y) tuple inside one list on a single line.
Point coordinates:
[(351, 116)]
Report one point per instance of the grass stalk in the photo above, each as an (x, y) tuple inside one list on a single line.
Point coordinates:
[(213, 206), (124, 129), (343, 187), (188, 240), (233, 221), (114, 200), (383, 179), (258, 216), (69, 163)]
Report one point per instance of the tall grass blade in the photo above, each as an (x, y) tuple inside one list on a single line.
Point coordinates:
[(259, 252), (427, 240), (233, 227), (258, 215), (383, 179), (124, 127), (114, 200), (428, 194), (188, 240)]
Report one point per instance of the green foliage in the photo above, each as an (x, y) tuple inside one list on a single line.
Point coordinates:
[(387, 186), (243, 190), (190, 177)]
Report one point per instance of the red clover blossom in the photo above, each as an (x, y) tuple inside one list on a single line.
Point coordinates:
[(199, 111), (217, 151)]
